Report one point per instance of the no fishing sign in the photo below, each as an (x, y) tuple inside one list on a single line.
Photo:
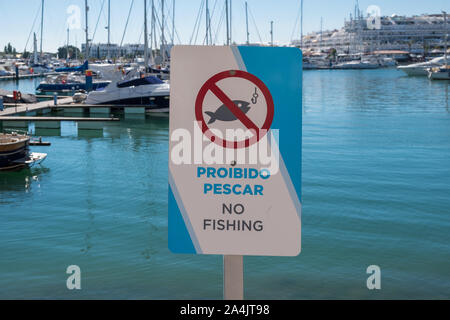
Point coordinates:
[(235, 150)]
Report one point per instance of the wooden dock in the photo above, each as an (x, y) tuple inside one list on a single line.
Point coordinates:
[(87, 106), (22, 115), (32, 107), (27, 76), (76, 119)]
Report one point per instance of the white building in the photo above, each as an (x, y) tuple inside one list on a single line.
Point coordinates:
[(100, 50), (416, 34)]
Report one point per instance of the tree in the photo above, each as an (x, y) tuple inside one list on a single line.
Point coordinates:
[(9, 49), (73, 51)]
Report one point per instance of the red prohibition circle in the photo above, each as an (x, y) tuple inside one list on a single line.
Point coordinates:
[(210, 84)]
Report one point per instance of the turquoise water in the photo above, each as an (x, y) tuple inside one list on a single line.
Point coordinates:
[(27, 86), (376, 183)]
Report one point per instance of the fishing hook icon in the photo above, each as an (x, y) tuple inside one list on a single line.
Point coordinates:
[(255, 97)]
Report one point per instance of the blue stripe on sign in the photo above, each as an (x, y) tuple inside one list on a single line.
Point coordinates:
[(280, 68), (179, 239), (238, 58)]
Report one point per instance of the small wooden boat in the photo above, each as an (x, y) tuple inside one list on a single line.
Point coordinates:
[(15, 154), (39, 142)]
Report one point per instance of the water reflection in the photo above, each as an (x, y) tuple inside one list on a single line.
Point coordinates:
[(23, 180), (446, 96)]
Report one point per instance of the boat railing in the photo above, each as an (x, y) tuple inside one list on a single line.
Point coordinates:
[(16, 132)]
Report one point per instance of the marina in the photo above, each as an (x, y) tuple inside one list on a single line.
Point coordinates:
[(344, 141), (84, 169)]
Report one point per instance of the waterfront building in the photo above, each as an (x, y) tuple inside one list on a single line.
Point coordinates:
[(422, 34), (100, 50)]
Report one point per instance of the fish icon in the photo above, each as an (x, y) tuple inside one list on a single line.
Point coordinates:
[(225, 114)]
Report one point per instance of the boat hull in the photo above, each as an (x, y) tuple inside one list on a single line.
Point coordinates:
[(440, 75), (12, 151), (150, 102), (415, 71), (152, 97), (60, 87)]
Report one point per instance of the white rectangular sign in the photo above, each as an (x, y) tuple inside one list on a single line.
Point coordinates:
[(235, 150)]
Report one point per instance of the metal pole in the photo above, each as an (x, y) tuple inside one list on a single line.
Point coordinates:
[(228, 25), (86, 49), (246, 22), (145, 37), (42, 25), (109, 25), (233, 277)]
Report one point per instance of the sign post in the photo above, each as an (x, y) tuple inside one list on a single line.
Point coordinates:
[(233, 277), (235, 155)]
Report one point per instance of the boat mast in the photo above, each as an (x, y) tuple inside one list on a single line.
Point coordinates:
[(246, 22), (152, 60), (35, 57), (321, 33), (163, 46), (208, 31), (67, 47), (173, 22), (228, 25), (42, 25), (301, 25), (109, 25), (446, 36), (231, 25), (271, 33), (145, 37), (153, 26), (86, 49)]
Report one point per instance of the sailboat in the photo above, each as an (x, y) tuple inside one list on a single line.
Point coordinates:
[(442, 73), (36, 66), (136, 89)]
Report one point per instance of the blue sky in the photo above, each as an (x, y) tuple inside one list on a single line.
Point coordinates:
[(17, 19)]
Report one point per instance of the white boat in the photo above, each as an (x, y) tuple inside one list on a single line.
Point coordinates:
[(5, 72), (442, 73), (316, 62), (31, 159), (357, 64), (149, 91), (421, 69), (387, 62)]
